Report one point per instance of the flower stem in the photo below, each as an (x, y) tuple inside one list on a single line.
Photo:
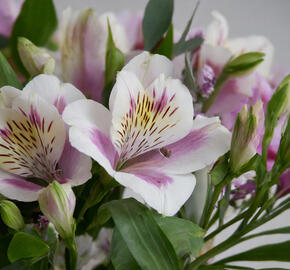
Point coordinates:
[(71, 254)]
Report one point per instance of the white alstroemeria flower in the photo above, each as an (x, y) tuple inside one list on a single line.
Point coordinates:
[(148, 140), (217, 36), (34, 149), (82, 39)]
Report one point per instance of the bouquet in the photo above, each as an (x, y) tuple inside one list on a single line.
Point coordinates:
[(125, 144)]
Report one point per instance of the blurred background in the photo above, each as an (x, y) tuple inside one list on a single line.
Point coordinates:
[(245, 17)]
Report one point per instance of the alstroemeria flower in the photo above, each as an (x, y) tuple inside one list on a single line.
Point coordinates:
[(9, 10), (148, 140), (34, 148), (212, 57), (83, 39)]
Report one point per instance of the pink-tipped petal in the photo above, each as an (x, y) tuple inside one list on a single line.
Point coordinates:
[(166, 198), (90, 131), (17, 188), (53, 91)]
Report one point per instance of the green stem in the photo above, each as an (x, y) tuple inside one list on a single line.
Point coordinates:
[(236, 238), (71, 254), (226, 225), (217, 190)]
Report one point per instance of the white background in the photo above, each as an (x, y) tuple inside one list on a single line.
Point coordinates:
[(246, 17)]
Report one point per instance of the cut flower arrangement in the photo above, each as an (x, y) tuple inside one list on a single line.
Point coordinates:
[(125, 144)]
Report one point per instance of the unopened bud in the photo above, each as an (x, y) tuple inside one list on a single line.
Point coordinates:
[(245, 137), (57, 203), (34, 59), (11, 215)]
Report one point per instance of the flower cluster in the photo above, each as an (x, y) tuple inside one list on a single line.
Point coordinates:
[(103, 118)]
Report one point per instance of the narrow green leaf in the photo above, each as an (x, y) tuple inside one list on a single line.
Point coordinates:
[(144, 238), (189, 79), (36, 22), (7, 75), (273, 252), (244, 63), (156, 21), (185, 236), (120, 254), (182, 40), (25, 246), (283, 230), (188, 45), (166, 45)]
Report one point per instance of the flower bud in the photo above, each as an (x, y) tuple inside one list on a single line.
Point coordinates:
[(57, 203), (245, 138), (11, 215), (34, 59)]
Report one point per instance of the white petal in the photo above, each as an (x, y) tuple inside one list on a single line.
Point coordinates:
[(147, 67), (16, 188), (75, 167), (32, 137), (166, 199), (89, 132), (7, 95), (145, 120), (207, 141), (53, 91), (217, 31)]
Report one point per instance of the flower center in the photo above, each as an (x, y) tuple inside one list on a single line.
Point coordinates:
[(144, 126), (26, 146)]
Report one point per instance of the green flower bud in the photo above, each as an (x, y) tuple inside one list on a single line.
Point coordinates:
[(245, 138), (11, 215), (34, 59), (57, 203)]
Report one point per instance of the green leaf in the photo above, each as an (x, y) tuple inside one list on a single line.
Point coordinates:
[(244, 63), (182, 45), (36, 22), (185, 236), (188, 45), (120, 254), (115, 60), (7, 75), (273, 252), (220, 170), (144, 238), (189, 79), (25, 246), (166, 45), (156, 21), (238, 66)]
